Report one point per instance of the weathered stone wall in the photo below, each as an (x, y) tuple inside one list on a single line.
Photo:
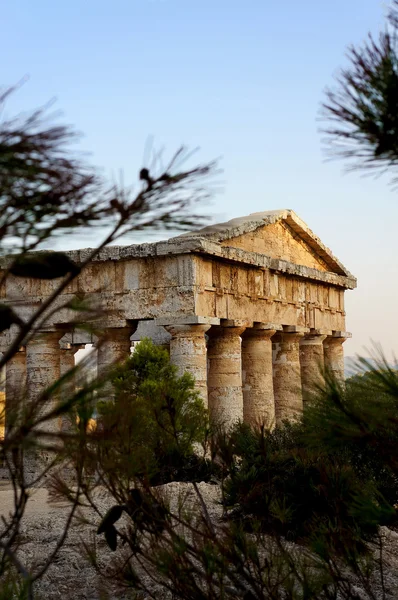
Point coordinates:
[(130, 288), (232, 290)]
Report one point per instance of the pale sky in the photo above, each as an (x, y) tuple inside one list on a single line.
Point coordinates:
[(242, 80)]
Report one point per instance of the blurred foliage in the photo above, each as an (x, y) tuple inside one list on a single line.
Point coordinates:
[(46, 190), (361, 110)]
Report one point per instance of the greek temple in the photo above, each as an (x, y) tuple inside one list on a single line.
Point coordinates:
[(253, 308)]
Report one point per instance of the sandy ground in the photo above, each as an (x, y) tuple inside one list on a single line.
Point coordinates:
[(38, 502), (71, 577)]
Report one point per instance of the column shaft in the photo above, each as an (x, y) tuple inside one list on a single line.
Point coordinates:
[(43, 369), (225, 374), (188, 352), (114, 347), (258, 387), (334, 356), (312, 364), (15, 387), (287, 377)]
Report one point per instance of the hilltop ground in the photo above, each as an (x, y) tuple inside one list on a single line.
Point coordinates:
[(71, 577)]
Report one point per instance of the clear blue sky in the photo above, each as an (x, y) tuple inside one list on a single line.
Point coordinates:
[(244, 81)]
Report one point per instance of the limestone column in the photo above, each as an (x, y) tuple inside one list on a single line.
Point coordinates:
[(258, 387), (334, 354), (287, 377), (42, 367), (188, 352), (42, 370), (113, 347), (312, 363), (225, 373), (15, 386)]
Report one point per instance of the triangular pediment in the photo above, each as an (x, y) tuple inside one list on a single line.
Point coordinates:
[(279, 234)]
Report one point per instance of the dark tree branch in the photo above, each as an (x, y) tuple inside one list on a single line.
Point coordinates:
[(361, 112)]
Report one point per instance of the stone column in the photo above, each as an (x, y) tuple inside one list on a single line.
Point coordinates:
[(312, 362), (258, 387), (334, 354), (42, 367), (113, 347), (225, 372), (287, 377), (15, 386), (188, 352), (42, 370)]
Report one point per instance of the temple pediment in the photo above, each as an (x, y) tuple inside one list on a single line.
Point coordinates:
[(278, 234)]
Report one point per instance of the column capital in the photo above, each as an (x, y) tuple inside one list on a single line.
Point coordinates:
[(261, 325), (236, 323), (288, 337), (335, 341), (295, 329), (315, 331), (259, 333), (341, 335), (187, 320), (45, 336), (226, 331), (115, 323), (112, 331), (187, 330), (313, 339)]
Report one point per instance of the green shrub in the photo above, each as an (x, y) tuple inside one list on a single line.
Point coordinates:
[(305, 495), (359, 425), (325, 483), (151, 427), (328, 481)]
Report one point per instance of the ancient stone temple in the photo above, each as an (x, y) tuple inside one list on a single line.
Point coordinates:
[(253, 308)]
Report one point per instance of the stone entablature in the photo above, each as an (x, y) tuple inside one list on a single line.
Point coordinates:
[(252, 308)]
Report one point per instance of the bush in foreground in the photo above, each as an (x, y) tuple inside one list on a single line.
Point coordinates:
[(303, 503), (154, 424)]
